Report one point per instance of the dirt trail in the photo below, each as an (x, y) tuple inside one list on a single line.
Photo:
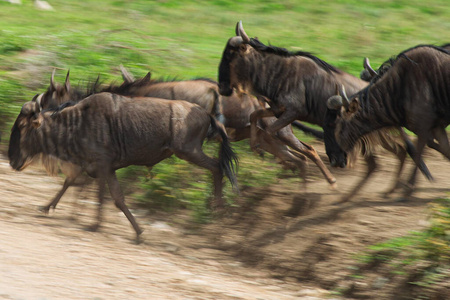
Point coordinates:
[(280, 243), (53, 257)]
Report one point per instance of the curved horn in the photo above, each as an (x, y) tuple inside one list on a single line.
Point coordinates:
[(345, 100), (52, 80), (368, 67), (242, 33), (127, 77), (67, 82)]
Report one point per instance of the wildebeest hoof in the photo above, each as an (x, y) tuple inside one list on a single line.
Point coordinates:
[(93, 228), (138, 239), (341, 201), (333, 186), (402, 199), (44, 209)]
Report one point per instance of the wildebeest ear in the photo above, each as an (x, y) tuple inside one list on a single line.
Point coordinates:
[(335, 102), (37, 107), (34, 98), (147, 77), (37, 122), (28, 108), (67, 83), (353, 106)]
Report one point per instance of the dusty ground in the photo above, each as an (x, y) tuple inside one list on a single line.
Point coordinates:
[(280, 243)]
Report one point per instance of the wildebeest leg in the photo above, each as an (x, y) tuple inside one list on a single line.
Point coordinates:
[(421, 142), (401, 155), (289, 159), (238, 134), (68, 182), (287, 136), (119, 201), (289, 139), (371, 166), (254, 117), (442, 146), (441, 136), (199, 158), (101, 197)]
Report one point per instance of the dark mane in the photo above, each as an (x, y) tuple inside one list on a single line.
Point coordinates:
[(205, 79), (124, 88), (56, 110), (388, 64), (391, 61), (258, 45)]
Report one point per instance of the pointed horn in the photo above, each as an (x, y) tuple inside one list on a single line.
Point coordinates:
[(345, 100), (52, 80), (67, 82), (242, 33), (96, 84), (127, 77), (368, 67)]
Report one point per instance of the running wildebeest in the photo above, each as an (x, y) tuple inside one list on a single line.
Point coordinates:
[(411, 90), (105, 132), (234, 111), (368, 73), (297, 86)]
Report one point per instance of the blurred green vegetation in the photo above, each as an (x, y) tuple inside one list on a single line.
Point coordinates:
[(185, 39), (421, 258)]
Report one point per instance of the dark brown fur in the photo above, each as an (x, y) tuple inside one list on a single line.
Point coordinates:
[(296, 86), (413, 91), (106, 132)]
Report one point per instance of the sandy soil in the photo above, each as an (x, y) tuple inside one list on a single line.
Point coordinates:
[(279, 243)]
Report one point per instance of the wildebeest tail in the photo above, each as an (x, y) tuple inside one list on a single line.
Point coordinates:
[(308, 130), (227, 157), (217, 109)]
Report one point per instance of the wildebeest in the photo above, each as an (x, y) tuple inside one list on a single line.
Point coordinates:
[(368, 73), (412, 90), (234, 111), (297, 86), (105, 132)]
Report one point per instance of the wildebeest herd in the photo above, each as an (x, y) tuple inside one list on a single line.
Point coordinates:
[(262, 90)]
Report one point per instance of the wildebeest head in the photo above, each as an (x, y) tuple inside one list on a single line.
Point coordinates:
[(339, 107), (55, 94), (236, 46), (23, 145)]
